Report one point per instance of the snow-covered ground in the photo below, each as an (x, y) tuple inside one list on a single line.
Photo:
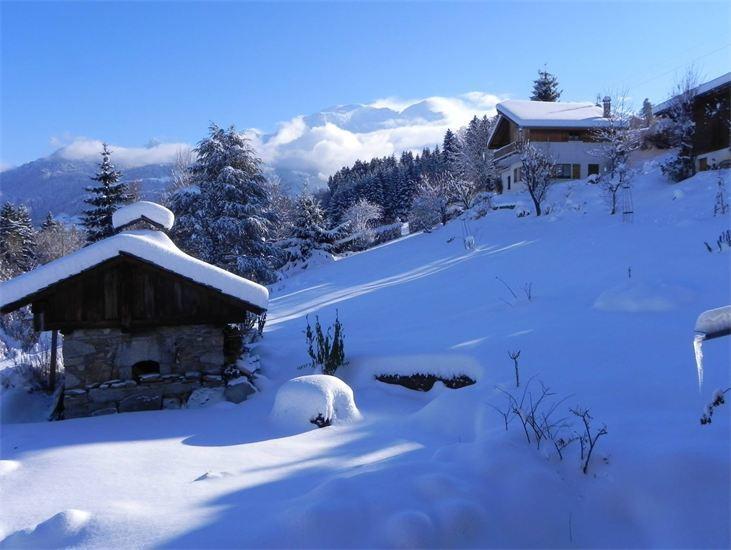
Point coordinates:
[(610, 325)]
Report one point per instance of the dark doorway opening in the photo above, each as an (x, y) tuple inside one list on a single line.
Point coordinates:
[(145, 367)]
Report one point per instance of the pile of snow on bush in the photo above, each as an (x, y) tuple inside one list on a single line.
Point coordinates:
[(314, 400)]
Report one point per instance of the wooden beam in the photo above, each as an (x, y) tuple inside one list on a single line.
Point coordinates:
[(54, 358)]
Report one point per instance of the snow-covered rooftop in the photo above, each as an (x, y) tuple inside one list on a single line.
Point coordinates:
[(698, 90), (550, 114), (152, 246), (143, 210)]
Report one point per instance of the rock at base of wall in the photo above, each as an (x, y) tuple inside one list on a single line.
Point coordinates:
[(141, 402), (171, 403), (238, 392)]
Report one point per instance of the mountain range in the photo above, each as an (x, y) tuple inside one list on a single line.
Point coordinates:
[(301, 152)]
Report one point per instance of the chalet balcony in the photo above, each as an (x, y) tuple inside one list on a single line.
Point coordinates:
[(506, 150)]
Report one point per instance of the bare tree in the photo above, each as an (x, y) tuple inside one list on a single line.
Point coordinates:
[(58, 240), (617, 140), (431, 202), (537, 172), (181, 175), (360, 218)]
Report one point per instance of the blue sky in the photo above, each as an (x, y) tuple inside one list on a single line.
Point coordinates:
[(130, 72)]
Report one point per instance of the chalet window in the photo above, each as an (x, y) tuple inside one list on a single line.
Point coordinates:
[(562, 171), (575, 171), (508, 183), (574, 136), (593, 169), (145, 367)]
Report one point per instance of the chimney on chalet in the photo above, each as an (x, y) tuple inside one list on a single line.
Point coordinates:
[(607, 102)]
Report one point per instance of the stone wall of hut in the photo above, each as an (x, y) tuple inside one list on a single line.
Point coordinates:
[(108, 371)]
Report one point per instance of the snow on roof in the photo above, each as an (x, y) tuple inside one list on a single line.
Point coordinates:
[(714, 321), (552, 114), (698, 90), (151, 211), (152, 246)]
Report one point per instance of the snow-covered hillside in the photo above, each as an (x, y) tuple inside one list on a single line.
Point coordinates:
[(609, 326)]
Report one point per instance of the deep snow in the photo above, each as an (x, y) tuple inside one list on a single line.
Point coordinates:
[(437, 468)]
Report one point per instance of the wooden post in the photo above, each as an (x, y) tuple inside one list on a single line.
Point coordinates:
[(54, 347)]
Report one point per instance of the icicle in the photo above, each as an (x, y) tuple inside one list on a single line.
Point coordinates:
[(698, 348)]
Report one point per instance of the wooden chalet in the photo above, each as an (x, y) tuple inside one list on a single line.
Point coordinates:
[(143, 323)]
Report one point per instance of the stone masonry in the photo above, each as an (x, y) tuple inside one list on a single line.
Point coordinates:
[(99, 364)]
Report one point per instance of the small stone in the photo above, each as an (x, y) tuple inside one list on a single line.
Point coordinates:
[(240, 391), (124, 384), (193, 375), (102, 412), (153, 377), (171, 403)]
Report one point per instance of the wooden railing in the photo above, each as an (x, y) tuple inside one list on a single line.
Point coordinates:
[(506, 150)]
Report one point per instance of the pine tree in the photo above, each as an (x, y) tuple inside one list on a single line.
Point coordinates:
[(105, 199), (17, 240), (646, 113), (227, 217), (49, 223), (545, 87), (309, 230), (450, 151)]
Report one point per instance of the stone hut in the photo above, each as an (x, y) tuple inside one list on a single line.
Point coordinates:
[(144, 324)]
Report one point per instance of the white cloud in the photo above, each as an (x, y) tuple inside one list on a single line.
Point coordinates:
[(323, 148), (321, 144), (125, 157)]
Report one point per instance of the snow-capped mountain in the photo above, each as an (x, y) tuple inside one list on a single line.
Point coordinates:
[(302, 152)]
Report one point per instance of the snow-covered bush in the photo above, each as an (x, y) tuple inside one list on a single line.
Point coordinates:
[(681, 128), (718, 399), (326, 349), (316, 399)]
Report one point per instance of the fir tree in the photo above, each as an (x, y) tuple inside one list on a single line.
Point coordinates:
[(49, 223), (17, 240), (105, 198), (226, 217), (545, 87), (450, 151), (309, 230), (646, 113)]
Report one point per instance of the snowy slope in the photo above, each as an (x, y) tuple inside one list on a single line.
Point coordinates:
[(436, 469)]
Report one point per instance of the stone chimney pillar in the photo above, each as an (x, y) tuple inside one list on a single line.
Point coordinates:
[(607, 106)]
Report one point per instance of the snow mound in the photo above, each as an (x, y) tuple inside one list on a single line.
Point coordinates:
[(8, 466), (444, 366), (302, 401), (714, 320), (635, 297), (65, 529), (143, 210), (409, 529)]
